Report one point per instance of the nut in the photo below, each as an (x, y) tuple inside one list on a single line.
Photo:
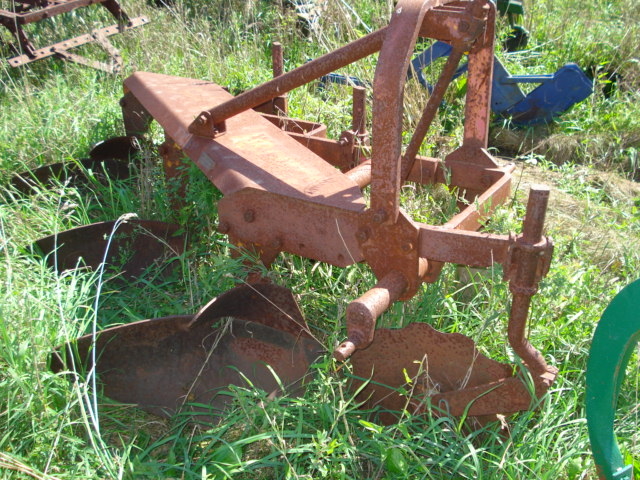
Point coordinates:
[(249, 216), (362, 235), (380, 216)]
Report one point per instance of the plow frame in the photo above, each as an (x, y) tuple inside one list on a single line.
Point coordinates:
[(270, 208)]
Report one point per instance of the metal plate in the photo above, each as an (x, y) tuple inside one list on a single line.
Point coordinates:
[(136, 246), (417, 366), (250, 335), (109, 158)]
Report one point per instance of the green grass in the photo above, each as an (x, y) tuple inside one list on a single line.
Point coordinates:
[(54, 111)]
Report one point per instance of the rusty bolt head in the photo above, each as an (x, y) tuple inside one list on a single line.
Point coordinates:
[(362, 235), (249, 216), (276, 244), (380, 216), (224, 227), (407, 247), (485, 180)]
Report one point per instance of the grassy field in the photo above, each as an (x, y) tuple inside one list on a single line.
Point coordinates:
[(53, 111)]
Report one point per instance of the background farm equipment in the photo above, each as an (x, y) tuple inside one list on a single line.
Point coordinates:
[(288, 188), (25, 12), (556, 93)]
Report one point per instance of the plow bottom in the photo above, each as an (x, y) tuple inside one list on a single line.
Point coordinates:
[(251, 335), (418, 368)]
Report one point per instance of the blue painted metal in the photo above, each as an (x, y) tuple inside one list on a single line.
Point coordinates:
[(341, 80), (568, 86), (556, 93)]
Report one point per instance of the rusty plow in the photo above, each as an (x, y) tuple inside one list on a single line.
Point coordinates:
[(288, 188)]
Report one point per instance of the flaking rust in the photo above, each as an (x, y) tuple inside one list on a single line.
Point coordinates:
[(288, 188)]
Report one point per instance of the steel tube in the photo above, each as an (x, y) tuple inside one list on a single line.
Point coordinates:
[(277, 59), (288, 81), (430, 110), (361, 174), (359, 113), (363, 312)]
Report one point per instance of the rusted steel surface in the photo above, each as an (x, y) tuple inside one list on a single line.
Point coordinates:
[(531, 256), (108, 160), (165, 364), (445, 370), (288, 188), (207, 123), (258, 155), (363, 313), (430, 110), (137, 245), (480, 73), (387, 110), (310, 230), (29, 12), (26, 12)]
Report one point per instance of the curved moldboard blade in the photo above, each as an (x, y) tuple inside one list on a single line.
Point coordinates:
[(121, 148), (137, 245), (264, 303), (163, 363), (446, 371), (110, 157), (27, 182)]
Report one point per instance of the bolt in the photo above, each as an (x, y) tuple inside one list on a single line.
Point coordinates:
[(276, 244), (407, 247), (224, 227), (380, 216), (249, 216), (201, 120), (362, 235), (485, 180)]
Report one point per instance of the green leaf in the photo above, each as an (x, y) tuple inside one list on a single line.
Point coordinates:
[(395, 462)]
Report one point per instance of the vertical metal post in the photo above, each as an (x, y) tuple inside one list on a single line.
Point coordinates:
[(524, 283)]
